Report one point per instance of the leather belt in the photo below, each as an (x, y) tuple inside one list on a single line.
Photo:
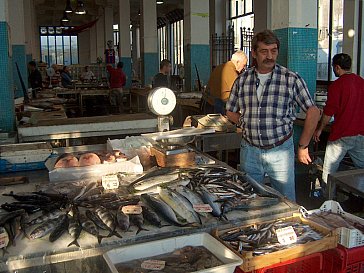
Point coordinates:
[(271, 146)]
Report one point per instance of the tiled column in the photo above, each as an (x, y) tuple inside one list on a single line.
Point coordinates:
[(196, 41), (93, 44), (17, 28), (100, 35), (7, 113), (109, 21), (149, 41), (135, 54), (124, 45)]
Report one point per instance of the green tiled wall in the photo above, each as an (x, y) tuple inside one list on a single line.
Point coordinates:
[(19, 57), (7, 115)]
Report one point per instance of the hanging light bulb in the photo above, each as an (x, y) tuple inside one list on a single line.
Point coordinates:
[(65, 17), (80, 8), (68, 8)]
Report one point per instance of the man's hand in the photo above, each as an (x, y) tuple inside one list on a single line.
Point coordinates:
[(316, 135), (303, 156)]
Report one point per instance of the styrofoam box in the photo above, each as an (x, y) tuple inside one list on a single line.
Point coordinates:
[(347, 237), (146, 250)]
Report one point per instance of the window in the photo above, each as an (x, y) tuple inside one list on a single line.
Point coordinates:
[(241, 16), (330, 36), (57, 48), (162, 43), (177, 44)]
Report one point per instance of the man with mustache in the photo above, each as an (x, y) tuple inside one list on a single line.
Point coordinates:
[(263, 102)]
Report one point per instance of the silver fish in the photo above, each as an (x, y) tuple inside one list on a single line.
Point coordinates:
[(122, 220), (46, 228), (45, 217), (193, 197), (108, 219)]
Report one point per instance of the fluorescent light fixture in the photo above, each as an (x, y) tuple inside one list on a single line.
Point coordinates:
[(80, 8), (159, 2), (68, 8)]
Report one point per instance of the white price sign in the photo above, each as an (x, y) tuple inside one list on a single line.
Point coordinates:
[(4, 238), (286, 235), (132, 209), (202, 208), (110, 182), (153, 265)]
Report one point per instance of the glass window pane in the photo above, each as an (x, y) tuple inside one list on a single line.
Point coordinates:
[(74, 49), (323, 40), (59, 49), (44, 48), (337, 30), (67, 50), (249, 6), (52, 49)]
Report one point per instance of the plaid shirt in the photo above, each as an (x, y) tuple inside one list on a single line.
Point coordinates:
[(270, 119)]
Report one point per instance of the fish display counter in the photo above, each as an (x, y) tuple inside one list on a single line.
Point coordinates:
[(47, 225)]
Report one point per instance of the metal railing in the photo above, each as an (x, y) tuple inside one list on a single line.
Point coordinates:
[(222, 47)]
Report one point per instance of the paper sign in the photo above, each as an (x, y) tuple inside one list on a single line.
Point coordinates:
[(4, 238), (132, 209), (153, 264), (286, 235), (110, 182), (202, 208)]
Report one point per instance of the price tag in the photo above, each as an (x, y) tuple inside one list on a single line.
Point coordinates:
[(110, 182), (153, 265), (132, 209), (4, 238), (202, 208), (286, 235)]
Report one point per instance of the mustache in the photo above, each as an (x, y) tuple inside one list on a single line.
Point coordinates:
[(268, 61)]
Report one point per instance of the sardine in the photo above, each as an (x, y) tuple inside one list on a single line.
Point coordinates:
[(180, 205), (60, 229), (122, 219), (137, 220), (166, 212)]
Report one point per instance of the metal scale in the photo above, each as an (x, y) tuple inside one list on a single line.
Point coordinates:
[(162, 101)]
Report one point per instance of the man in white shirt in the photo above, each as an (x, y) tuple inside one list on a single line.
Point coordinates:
[(87, 75)]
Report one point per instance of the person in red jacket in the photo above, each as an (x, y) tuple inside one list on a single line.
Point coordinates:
[(117, 80), (345, 102)]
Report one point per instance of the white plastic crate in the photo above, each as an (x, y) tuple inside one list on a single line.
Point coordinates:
[(145, 250), (347, 237)]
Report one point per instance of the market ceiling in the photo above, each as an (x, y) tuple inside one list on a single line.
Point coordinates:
[(49, 12)]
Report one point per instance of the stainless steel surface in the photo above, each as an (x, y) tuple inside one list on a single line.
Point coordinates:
[(176, 141), (351, 181)]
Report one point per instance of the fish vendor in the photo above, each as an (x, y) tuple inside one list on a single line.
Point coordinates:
[(263, 103)]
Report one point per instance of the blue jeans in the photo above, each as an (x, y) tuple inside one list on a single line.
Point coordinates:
[(336, 150), (277, 163)]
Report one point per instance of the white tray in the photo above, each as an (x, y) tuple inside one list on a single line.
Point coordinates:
[(145, 250)]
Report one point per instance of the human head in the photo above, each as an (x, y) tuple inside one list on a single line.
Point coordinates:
[(86, 68), (265, 48), (239, 59), (341, 63), (32, 65), (120, 65), (65, 69), (165, 66)]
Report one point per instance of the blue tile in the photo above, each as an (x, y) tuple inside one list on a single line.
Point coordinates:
[(151, 67), (199, 55), (127, 70), (20, 58)]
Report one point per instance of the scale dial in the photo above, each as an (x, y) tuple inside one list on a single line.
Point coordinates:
[(161, 101)]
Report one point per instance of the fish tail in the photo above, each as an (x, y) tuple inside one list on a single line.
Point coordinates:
[(74, 242), (115, 233), (140, 229), (99, 238)]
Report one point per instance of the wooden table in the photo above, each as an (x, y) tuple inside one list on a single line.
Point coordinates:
[(91, 93), (140, 94)]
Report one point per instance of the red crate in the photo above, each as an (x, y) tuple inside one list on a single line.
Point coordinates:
[(344, 260), (309, 264)]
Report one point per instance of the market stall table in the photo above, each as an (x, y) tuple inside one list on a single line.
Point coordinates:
[(41, 252), (71, 128), (351, 181), (141, 97)]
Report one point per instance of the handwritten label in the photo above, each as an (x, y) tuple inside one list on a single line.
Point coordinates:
[(132, 209), (4, 238), (286, 235), (110, 182), (153, 265), (202, 208)]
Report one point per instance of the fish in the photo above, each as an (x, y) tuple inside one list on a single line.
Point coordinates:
[(108, 219), (152, 217), (154, 172), (180, 181), (74, 229), (137, 220), (28, 197), (45, 217), (4, 231), (166, 212), (122, 219), (155, 181), (90, 227), (60, 229), (96, 219), (12, 207), (45, 228), (180, 205), (7, 217), (211, 199)]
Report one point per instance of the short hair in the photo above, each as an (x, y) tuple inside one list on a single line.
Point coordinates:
[(267, 37), (343, 60), (120, 65), (32, 63), (163, 63), (64, 67), (239, 55)]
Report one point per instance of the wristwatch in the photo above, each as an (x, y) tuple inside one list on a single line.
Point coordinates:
[(302, 146)]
